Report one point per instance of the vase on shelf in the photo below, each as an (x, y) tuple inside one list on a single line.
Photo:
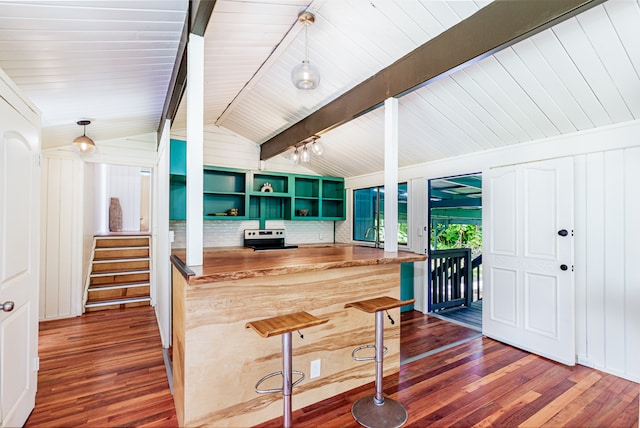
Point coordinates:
[(115, 215)]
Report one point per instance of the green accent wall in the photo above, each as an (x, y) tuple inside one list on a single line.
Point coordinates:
[(406, 285)]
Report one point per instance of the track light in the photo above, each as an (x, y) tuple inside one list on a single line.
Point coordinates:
[(302, 151)]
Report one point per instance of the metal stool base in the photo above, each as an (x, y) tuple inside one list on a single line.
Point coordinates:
[(389, 414)]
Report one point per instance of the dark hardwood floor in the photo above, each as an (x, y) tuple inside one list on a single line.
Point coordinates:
[(102, 369), (106, 369), (422, 334)]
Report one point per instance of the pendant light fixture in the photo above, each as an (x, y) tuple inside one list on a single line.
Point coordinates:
[(305, 75), (295, 156), (305, 156), (84, 144)]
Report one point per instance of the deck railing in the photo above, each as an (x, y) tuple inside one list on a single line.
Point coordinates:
[(455, 279), (476, 277)]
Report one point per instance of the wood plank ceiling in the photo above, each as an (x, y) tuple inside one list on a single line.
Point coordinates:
[(109, 61), (578, 75)]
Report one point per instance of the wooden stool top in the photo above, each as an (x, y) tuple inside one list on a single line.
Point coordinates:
[(379, 304), (281, 324)]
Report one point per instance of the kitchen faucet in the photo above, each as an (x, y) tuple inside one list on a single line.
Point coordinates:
[(375, 235)]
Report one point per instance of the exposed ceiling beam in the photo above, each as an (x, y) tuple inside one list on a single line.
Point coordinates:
[(498, 25), (196, 22)]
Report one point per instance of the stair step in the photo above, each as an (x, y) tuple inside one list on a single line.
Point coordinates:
[(128, 259), (122, 241), (119, 286), (118, 301), (123, 272), (119, 248)]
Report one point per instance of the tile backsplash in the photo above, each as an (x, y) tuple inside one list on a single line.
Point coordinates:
[(221, 233)]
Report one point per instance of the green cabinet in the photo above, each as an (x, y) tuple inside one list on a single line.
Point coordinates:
[(232, 194), (224, 193), (178, 180), (318, 198), (270, 197)]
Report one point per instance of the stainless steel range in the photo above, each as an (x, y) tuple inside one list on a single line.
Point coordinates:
[(266, 239)]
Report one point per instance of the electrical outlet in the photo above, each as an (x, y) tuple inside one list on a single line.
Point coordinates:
[(320, 235), (314, 371)]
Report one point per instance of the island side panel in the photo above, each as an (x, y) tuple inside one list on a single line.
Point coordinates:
[(223, 360), (179, 298)]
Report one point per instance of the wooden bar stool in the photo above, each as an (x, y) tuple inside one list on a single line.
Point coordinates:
[(378, 411), (284, 325)]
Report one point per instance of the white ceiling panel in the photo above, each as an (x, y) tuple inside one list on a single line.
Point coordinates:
[(111, 61), (575, 76), (106, 61)]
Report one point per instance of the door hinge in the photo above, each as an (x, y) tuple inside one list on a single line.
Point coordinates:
[(36, 364)]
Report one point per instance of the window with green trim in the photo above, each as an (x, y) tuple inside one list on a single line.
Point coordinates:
[(368, 214)]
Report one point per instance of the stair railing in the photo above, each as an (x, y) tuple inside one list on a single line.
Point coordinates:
[(476, 277), (87, 282)]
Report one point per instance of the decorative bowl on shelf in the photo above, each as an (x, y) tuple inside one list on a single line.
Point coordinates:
[(302, 213)]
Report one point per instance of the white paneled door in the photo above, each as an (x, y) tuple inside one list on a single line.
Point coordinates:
[(19, 272), (528, 258)]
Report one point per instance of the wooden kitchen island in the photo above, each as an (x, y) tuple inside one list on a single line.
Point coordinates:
[(217, 361)]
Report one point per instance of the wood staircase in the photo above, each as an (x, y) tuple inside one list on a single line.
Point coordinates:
[(120, 273)]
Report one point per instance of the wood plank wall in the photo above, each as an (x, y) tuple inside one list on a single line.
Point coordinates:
[(61, 243), (124, 184), (607, 243)]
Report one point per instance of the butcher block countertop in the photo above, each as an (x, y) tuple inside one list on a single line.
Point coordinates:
[(239, 263)]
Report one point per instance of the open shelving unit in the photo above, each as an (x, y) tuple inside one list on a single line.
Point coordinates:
[(224, 191), (233, 194)]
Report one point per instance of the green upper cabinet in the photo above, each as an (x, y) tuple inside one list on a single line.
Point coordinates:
[(178, 158), (232, 194), (332, 198), (318, 198), (178, 180), (225, 193)]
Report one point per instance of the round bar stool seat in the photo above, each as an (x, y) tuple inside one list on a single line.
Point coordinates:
[(378, 411), (284, 325)]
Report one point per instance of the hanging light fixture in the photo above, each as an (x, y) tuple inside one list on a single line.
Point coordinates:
[(84, 144), (305, 75), (316, 147), (295, 156), (304, 154)]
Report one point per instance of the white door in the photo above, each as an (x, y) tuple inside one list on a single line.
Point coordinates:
[(19, 264), (528, 254)]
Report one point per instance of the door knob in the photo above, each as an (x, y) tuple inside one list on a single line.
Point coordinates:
[(563, 232), (564, 267), (8, 306)]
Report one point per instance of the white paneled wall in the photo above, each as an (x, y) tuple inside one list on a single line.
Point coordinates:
[(61, 250), (124, 184), (608, 260), (161, 267)]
